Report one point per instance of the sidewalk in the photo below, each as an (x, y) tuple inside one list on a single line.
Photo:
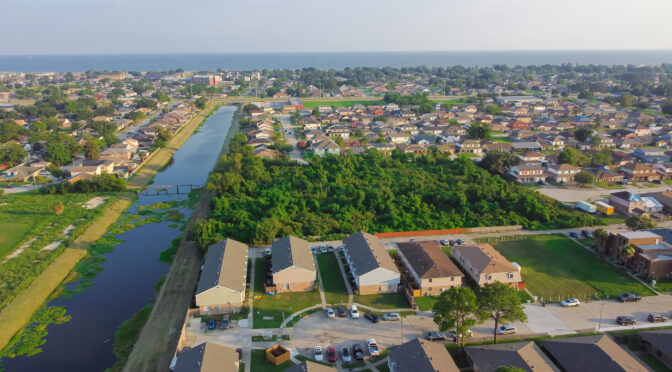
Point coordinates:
[(345, 279)]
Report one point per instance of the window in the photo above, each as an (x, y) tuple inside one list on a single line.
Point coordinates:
[(488, 277), (285, 286), (509, 275), (452, 278), (430, 280), (206, 309)]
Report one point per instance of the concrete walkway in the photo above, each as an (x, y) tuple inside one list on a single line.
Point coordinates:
[(319, 275), (289, 318), (247, 354), (345, 279)]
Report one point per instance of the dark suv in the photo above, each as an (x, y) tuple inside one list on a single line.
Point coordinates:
[(629, 297), (625, 320)]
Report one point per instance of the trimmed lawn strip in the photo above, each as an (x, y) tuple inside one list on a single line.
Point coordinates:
[(332, 281), (425, 303), (383, 301), (259, 363), (614, 219), (555, 267)]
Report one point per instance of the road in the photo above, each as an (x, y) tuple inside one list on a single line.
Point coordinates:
[(290, 133), (133, 130), (575, 194)]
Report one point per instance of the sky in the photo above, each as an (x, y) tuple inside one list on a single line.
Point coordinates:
[(224, 26)]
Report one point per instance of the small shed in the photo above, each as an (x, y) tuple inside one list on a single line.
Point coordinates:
[(277, 355)]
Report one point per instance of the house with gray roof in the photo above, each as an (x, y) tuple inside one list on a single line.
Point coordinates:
[(370, 264), (525, 355), (221, 287), (421, 356), (309, 366), (591, 353), (431, 270), (208, 357), (292, 265), (659, 344)]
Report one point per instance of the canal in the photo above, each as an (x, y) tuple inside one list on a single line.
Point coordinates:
[(129, 274)]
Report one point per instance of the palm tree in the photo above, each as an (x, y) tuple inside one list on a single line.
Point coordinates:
[(601, 235), (627, 252)]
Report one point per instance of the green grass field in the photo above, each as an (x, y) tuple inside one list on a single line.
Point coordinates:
[(614, 219), (425, 303), (332, 281), (279, 306), (555, 267), (258, 363), (313, 104), (383, 301)]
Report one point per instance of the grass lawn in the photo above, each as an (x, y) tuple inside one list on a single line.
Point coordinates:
[(614, 219), (425, 303), (606, 185), (588, 242), (383, 301), (554, 267), (258, 363), (275, 306), (332, 281), (313, 104), (664, 285)]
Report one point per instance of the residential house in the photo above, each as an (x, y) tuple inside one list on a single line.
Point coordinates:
[(497, 146), (627, 202), (396, 138), (605, 175), (370, 264), (412, 148), (562, 172), (659, 344), (309, 366), (532, 157), (221, 287), (292, 265), (525, 355), (528, 173), (470, 147), (483, 264), (326, 146), (20, 173), (264, 152), (614, 243), (526, 146), (591, 353), (664, 169), (208, 357), (651, 154), (652, 261), (640, 172), (420, 355), (431, 270)]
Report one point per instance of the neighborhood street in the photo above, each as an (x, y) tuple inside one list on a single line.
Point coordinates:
[(290, 133)]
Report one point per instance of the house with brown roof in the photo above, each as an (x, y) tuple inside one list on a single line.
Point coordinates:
[(470, 147), (640, 172), (370, 264), (208, 357), (292, 265), (591, 353), (309, 366), (659, 344), (563, 172), (604, 175), (483, 264), (497, 146), (525, 355), (20, 173), (221, 287), (431, 270), (532, 156), (420, 355), (528, 173)]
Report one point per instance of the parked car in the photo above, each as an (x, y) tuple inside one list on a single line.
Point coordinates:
[(570, 302), (330, 313), (585, 233), (240, 353), (317, 351), (435, 336), (358, 351), (331, 354), (574, 235), (629, 297), (452, 242), (391, 316), (508, 329), (444, 242), (345, 355), (267, 251), (212, 324), (323, 249), (372, 317), (341, 312), (412, 240), (224, 324), (657, 318), (330, 248), (341, 247), (625, 320), (460, 241), (354, 312), (372, 346), (453, 334), (313, 249)]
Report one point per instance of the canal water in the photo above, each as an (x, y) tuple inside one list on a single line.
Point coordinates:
[(126, 283)]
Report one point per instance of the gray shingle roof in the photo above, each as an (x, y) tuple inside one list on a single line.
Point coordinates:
[(291, 251), (367, 253), (225, 265), (422, 356), (207, 357), (591, 353), (660, 339), (524, 355), (428, 260)]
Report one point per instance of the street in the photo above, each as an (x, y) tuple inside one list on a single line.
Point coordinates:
[(290, 133)]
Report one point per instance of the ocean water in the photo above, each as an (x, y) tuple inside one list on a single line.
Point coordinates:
[(259, 61)]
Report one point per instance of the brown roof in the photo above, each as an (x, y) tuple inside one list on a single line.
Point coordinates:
[(208, 357), (428, 260), (485, 259), (591, 353), (525, 355)]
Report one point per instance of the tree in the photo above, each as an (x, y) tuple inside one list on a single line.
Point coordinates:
[(627, 252), (667, 108), (584, 178), (582, 134), (200, 102), (493, 109), (163, 134), (586, 94), (640, 222), (626, 100), (498, 161), (601, 235), (479, 131), (456, 310), (57, 208), (58, 153), (91, 150), (12, 154), (500, 303)]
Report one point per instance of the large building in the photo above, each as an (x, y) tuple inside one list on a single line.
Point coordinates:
[(421, 356), (210, 80), (370, 264), (208, 357), (432, 270), (221, 287), (525, 355), (292, 265), (591, 353), (483, 264)]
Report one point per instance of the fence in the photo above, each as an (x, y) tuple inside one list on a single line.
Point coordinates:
[(466, 230), (498, 239)]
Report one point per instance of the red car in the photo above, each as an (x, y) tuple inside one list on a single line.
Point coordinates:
[(331, 354)]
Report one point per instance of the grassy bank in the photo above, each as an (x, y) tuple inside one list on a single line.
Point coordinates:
[(126, 335)]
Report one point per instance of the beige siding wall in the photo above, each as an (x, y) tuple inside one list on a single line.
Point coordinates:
[(500, 277), (438, 285), (294, 279), (374, 289), (220, 300)]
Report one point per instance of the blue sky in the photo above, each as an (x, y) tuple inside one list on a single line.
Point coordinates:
[(221, 26)]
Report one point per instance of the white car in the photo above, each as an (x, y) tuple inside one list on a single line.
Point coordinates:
[(354, 313), (570, 302), (391, 316), (323, 249), (319, 356), (267, 251), (506, 329), (373, 347), (330, 313), (341, 247)]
